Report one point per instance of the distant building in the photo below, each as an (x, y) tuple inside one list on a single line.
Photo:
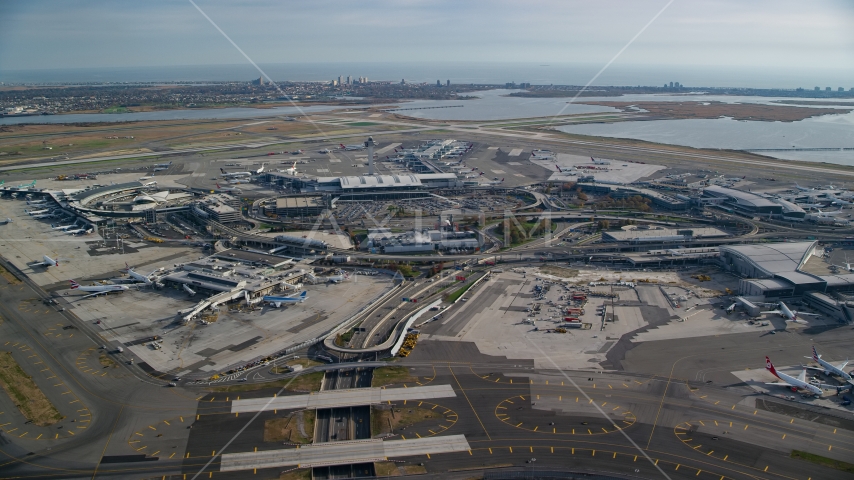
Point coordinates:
[(438, 83), (826, 89), (403, 81), (841, 89), (260, 81), (349, 80), (340, 80), (817, 89), (334, 82), (448, 83)]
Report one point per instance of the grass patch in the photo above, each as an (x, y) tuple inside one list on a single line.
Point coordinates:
[(386, 469), (452, 297), (824, 461), (286, 429), (362, 124), (9, 277), (310, 382), (383, 420), (414, 469), (299, 474), (344, 338), (388, 375), (106, 361), (27, 396)]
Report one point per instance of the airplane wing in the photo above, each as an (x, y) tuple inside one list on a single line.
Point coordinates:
[(778, 312), (780, 384), (92, 295), (807, 314), (803, 376), (842, 365), (39, 264)]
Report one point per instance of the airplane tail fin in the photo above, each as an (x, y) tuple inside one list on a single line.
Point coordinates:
[(74, 285), (223, 171), (341, 145), (303, 294), (815, 355), (770, 367)]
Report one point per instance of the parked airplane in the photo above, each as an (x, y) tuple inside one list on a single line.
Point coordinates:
[(730, 308), (75, 231), (292, 170), (97, 289), (63, 227), (828, 368), (841, 202), (297, 152), (496, 182), (36, 212), (795, 384), (27, 185), (325, 150), (229, 189), (238, 181), (260, 170), (803, 189), (235, 174), (46, 262), (7, 221), (358, 146), (43, 216), (338, 278), (37, 203), (278, 301), (599, 162), (542, 156), (149, 184), (789, 315), (828, 214), (187, 289), (167, 165), (146, 279)]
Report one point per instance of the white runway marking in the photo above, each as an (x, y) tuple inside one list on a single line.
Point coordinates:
[(515, 152)]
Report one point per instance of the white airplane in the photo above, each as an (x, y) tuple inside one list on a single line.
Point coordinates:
[(75, 231), (338, 278), (63, 227), (46, 262), (37, 212), (292, 170), (229, 190), (260, 170), (325, 150), (187, 289), (43, 216), (146, 279), (841, 202), (149, 184), (599, 162), (358, 146), (5, 222), (278, 301), (828, 214), (238, 181), (97, 289), (795, 384), (37, 203), (27, 185), (235, 174), (789, 315), (828, 368), (730, 308), (167, 165), (803, 189), (297, 152), (496, 182), (542, 156)]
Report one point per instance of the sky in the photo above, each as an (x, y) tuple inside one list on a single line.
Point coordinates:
[(778, 34)]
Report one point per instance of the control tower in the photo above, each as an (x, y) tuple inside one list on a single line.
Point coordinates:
[(370, 145)]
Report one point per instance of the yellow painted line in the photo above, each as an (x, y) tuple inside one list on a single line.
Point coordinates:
[(725, 457), (745, 427), (535, 428), (511, 449), (710, 452), (490, 451), (784, 437)]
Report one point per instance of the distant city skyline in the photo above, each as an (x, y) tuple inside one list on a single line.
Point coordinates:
[(47, 34)]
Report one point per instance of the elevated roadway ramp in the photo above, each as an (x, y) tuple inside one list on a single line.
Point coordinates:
[(343, 453), (352, 397)]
